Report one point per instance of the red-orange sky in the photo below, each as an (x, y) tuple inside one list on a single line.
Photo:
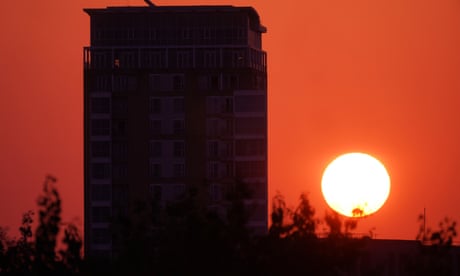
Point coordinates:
[(378, 76)]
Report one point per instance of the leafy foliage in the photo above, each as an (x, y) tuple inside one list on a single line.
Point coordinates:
[(71, 257), (49, 222), (294, 245), (187, 237), (28, 256), (442, 238), (435, 256)]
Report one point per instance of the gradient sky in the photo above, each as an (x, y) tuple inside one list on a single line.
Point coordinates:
[(377, 76)]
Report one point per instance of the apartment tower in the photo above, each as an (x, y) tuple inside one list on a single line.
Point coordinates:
[(175, 97)]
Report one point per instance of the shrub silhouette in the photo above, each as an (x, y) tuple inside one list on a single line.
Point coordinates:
[(36, 253), (186, 237)]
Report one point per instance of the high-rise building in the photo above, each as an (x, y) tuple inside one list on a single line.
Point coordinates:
[(174, 97)]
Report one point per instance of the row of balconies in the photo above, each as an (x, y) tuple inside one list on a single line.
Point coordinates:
[(173, 58)]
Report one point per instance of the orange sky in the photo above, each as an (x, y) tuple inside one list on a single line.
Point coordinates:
[(379, 76)]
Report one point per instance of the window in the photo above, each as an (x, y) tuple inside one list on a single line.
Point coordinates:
[(178, 105), (228, 106), (248, 147), (153, 34), (258, 189), (155, 148), (100, 149), (124, 83), (208, 33), (99, 34), (230, 81), (178, 127), (219, 104), (250, 103), (100, 60), (156, 191), (166, 82), (227, 149), (120, 150), (229, 169), (251, 169), (238, 58), (101, 253), (179, 190), (215, 192), (155, 105), (179, 149), (119, 127), (179, 170), (251, 125), (261, 82), (128, 59), (210, 58), (100, 105), (155, 83), (119, 106), (155, 170), (186, 33), (100, 171), (153, 59), (120, 193), (155, 127), (103, 83), (203, 83), (228, 128), (214, 82), (101, 192), (241, 33), (213, 169), (259, 212), (100, 127), (184, 59), (178, 82), (101, 236), (210, 82), (213, 149), (212, 127), (219, 127), (213, 104), (119, 171), (100, 214)]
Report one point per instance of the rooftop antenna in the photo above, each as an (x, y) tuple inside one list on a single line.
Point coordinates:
[(149, 2)]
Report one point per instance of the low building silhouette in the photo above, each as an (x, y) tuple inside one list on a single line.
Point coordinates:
[(407, 257)]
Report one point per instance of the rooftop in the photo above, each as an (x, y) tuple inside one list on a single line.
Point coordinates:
[(157, 9), (152, 8)]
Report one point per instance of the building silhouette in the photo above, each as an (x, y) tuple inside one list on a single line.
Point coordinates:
[(175, 97)]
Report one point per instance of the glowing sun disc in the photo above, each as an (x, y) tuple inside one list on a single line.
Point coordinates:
[(355, 184)]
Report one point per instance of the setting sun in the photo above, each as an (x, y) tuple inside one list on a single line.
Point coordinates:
[(355, 184)]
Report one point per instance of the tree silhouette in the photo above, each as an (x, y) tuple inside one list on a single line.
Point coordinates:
[(71, 256), (441, 239), (192, 238), (186, 237), (335, 224), (35, 253), (278, 215), (293, 244), (49, 221), (435, 256), (303, 219), (17, 255)]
